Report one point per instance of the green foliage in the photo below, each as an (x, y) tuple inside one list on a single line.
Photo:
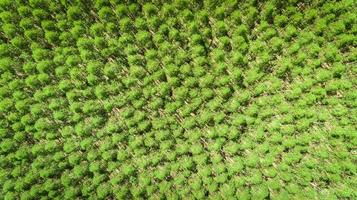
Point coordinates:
[(177, 100)]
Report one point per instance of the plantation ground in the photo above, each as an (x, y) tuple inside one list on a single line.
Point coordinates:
[(120, 99)]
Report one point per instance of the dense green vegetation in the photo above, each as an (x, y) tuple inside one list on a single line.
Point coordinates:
[(182, 99)]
